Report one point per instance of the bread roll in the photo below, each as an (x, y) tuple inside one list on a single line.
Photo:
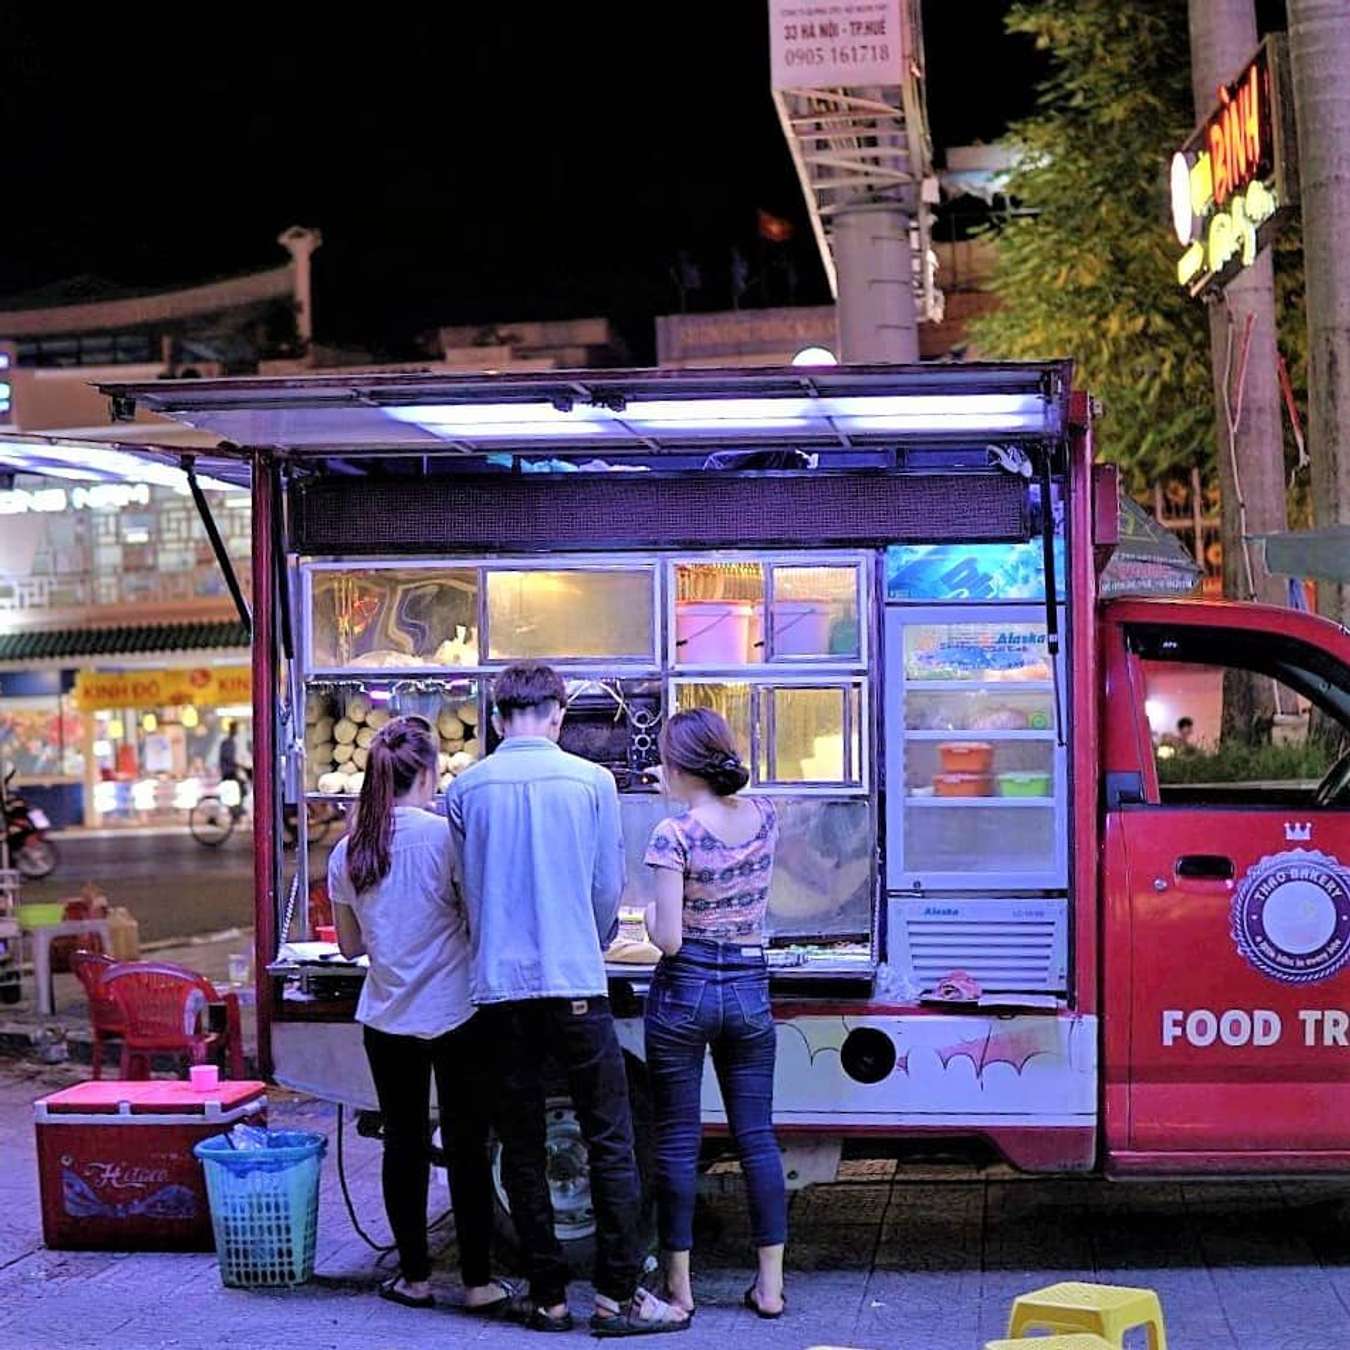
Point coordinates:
[(359, 756), (358, 708), (450, 727), (344, 732), (332, 782), (471, 747), (365, 736), (377, 717), (468, 714), (342, 752)]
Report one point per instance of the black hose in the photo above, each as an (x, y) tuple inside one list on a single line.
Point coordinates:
[(347, 1196)]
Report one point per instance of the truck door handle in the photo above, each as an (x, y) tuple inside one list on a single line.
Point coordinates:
[(1205, 867)]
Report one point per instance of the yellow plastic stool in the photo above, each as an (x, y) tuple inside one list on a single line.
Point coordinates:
[(1109, 1310), (1078, 1340)]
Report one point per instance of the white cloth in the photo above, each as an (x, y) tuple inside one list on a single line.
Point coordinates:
[(414, 930)]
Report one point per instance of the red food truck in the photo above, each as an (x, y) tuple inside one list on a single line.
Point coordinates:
[(1035, 890)]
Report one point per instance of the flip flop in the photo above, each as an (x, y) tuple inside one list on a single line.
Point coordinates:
[(391, 1293), (752, 1303), (645, 1315), (499, 1306)]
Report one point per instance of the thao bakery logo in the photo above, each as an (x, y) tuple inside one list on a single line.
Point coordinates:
[(1291, 916)]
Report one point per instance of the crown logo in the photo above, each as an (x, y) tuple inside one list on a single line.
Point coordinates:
[(1297, 831)]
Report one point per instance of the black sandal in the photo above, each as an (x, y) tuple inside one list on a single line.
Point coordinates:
[(523, 1309), (499, 1306), (752, 1303), (391, 1293)]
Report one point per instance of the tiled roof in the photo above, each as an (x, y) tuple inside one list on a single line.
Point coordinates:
[(129, 640)]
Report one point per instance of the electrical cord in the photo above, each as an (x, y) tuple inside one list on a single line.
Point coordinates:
[(351, 1208)]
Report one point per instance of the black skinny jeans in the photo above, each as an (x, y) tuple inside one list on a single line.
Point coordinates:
[(580, 1035), (402, 1067)]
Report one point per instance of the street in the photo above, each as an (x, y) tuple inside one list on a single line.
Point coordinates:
[(874, 1262), (173, 886)]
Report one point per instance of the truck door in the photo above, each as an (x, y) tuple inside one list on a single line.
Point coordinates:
[(1226, 888)]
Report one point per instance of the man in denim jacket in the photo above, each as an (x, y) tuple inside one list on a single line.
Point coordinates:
[(540, 861)]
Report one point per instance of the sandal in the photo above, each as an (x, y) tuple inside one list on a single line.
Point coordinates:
[(391, 1293), (523, 1309), (513, 1289), (646, 1315), (752, 1303)]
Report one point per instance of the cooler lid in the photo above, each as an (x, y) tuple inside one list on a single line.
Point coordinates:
[(152, 1097)]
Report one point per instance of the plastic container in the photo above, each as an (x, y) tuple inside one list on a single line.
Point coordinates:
[(264, 1207), (801, 628), (38, 915), (1024, 785), (115, 1164), (963, 785), (713, 632), (966, 756)]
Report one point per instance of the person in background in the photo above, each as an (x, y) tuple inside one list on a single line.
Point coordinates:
[(391, 881), (541, 856), (713, 866)]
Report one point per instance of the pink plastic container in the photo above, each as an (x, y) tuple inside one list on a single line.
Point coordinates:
[(801, 628), (713, 632)]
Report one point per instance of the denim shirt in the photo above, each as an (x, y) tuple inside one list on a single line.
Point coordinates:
[(541, 869)]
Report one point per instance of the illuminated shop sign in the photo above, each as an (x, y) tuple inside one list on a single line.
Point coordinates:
[(1233, 183), (7, 364)]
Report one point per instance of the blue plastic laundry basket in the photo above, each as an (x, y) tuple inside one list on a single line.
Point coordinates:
[(264, 1207)]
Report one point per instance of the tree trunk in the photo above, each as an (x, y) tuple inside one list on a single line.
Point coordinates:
[(1319, 58), (1251, 462)]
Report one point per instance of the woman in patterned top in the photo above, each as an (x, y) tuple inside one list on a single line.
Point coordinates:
[(713, 865)]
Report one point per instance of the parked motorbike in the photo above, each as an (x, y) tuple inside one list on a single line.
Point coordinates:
[(31, 851)]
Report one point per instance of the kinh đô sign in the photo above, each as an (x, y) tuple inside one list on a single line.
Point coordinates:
[(1234, 182)]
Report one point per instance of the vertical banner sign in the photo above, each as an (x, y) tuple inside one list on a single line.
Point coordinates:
[(825, 44), (1234, 183), (8, 360)]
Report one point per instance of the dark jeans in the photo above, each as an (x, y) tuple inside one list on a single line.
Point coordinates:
[(580, 1035), (713, 995), (402, 1067)]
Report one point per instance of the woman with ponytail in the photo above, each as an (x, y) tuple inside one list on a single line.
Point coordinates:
[(393, 899), (713, 864)]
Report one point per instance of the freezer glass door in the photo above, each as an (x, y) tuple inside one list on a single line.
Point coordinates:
[(976, 780)]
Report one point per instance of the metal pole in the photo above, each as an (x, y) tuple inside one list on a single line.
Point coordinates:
[(266, 871), (876, 315)]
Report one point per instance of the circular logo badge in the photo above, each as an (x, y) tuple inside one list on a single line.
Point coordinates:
[(1291, 916)]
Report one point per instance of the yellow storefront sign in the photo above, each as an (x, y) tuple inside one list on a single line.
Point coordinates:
[(202, 687)]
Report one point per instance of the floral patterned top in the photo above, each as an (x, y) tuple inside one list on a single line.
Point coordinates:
[(726, 887)]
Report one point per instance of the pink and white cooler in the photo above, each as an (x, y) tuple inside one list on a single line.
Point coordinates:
[(116, 1167)]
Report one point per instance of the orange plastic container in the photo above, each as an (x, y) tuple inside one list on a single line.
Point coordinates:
[(966, 757), (963, 785)]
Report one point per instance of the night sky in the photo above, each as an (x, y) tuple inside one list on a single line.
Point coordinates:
[(464, 166)]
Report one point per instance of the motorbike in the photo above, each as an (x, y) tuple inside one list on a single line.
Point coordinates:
[(31, 851)]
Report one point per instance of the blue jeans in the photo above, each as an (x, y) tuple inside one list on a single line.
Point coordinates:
[(713, 995)]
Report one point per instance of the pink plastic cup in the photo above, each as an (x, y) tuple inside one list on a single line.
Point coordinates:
[(204, 1077)]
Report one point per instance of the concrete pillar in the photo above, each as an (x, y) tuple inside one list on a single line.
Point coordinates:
[(876, 315)]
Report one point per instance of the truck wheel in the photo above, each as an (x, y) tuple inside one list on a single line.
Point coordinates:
[(569, 1178)]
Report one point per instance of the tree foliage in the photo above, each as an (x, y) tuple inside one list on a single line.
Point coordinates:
[(1092, 273)]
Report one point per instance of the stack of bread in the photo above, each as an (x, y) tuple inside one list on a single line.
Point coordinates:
[(340, 726)]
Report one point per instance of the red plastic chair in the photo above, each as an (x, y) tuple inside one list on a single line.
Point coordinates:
[(105, 1016), (165, 1008)]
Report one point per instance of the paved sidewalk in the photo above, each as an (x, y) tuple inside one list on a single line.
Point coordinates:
[(874, 1263)]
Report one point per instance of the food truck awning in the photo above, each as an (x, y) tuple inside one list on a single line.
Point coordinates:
[(613, 412), (119, 452), (1148, 560), (1319, 555)]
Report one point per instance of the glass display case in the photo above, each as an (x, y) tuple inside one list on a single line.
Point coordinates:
[(371, 617), (571, 614), (342, 717), (976, 774)]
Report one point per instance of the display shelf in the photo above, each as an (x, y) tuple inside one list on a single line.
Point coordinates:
[(980, 801), (979, 686), (965, 734)]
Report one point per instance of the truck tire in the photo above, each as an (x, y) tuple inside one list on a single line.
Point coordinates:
[(569, 1175)]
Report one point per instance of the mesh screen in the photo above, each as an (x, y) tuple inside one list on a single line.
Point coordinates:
[(351, 515)]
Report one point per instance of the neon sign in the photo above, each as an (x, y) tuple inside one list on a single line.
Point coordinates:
[(1233, 182)]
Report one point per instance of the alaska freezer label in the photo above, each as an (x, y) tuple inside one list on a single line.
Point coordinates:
[(1291, 916)]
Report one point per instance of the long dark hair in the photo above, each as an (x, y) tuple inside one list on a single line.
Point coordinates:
[(700, 743), (401, 752)]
